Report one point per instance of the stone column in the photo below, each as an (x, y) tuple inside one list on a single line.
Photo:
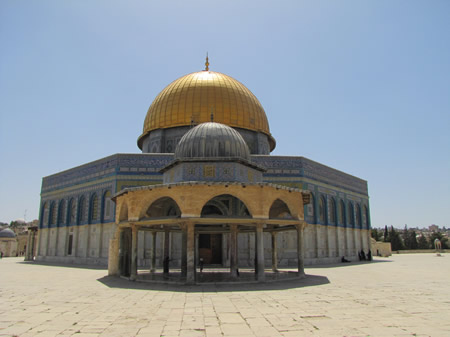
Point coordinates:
[(196, 250), (39, 243), (233, 251), (259, 252), (166, 251), (76, 234), (87, 235), (274, 252), (100, 240), (33, 244), (47, 246), (56, 240), (120, 252), (134, 243), (190, 253), (300, 253), (346, 250), (27, 251), (183, 250), (316, 240), (114, 254), (153, 253)]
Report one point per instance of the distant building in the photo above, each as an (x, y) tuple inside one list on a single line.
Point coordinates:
[(433, 228), (8, 242)]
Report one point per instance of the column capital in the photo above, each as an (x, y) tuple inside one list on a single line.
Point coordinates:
[(259, 224)]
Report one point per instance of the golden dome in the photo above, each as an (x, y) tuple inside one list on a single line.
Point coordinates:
[(193, 98)]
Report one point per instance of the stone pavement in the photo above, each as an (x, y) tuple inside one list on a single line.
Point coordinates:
[(404, 295)]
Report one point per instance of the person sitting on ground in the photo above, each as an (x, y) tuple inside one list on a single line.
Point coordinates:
[(344, 259), (363, 255)]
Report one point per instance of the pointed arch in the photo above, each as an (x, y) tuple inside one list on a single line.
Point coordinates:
[(93, 208), (72, 212), (358, 216), (333, 214), (341, 213), (81, 210), (44, 215), (53, 214), (225, 205), (312, 209), (350, 215), (163, 207), (108, 206), (61, 213), (322, 210), (279, 210), (366, 217)]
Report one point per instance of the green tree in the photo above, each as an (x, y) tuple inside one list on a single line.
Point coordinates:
[(395, 239), (440, 236), (375, 234), (411, 240), (386, 234), (423, 242), (404, 236)]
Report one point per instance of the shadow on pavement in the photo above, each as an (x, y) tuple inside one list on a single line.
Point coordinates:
[(54, 264), (346, 264), (308, 281)]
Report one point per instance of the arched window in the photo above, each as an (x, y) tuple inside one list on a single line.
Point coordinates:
[(94, 208), (358, 216), (53, 214), (332, 211), (351, 215), (366, 217), (72, 216), (322, 210), (108, 206), (82, 210), (61, 212), (44, 215), (341, 212)]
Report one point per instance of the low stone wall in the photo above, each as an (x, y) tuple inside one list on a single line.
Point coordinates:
[(416, 251)]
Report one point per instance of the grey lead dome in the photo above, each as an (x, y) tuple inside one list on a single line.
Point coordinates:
[(212, 140), (7, 233)]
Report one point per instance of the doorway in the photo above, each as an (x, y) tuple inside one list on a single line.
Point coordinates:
[(125, 252), (210, 248)]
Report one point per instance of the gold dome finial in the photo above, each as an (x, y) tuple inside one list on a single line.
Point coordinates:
[(206, 63)]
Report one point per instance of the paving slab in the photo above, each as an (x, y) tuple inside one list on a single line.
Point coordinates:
[(403, 295)]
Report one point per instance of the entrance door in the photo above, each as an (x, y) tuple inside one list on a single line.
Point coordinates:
[(210, 248)]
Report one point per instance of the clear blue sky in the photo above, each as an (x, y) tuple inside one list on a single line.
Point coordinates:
[(361, 86)]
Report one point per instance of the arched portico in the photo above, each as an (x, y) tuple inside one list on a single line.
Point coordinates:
[(225, 214)]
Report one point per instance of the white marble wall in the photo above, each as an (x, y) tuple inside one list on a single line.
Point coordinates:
[(322, 244)]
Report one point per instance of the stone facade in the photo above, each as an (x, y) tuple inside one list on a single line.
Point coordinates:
[(77, 213)]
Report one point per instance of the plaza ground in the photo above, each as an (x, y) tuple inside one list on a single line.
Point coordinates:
[(404, 295)]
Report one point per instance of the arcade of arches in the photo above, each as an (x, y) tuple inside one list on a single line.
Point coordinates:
[(203, 215)]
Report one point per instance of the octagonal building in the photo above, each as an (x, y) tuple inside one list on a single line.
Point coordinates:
[(204, 135)]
